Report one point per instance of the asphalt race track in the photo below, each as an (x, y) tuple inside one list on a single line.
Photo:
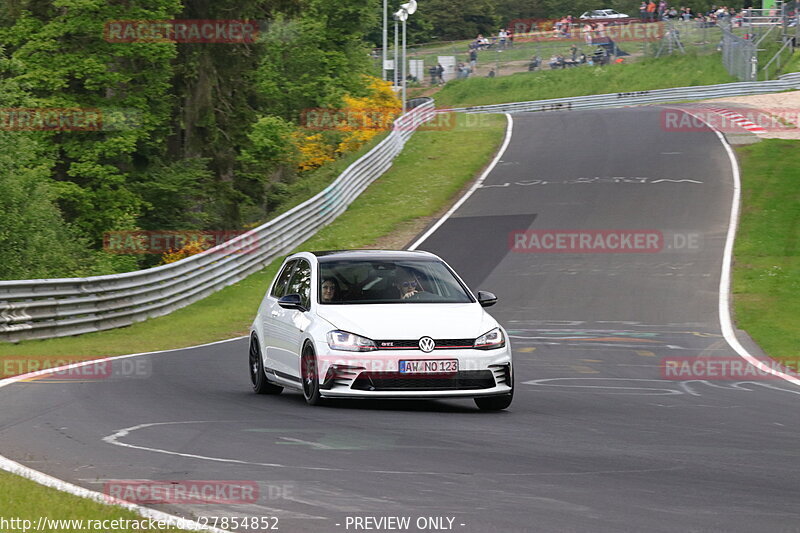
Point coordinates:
[(595, 440)]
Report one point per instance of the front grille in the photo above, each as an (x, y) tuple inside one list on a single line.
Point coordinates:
[(395, 381), (441, 344)]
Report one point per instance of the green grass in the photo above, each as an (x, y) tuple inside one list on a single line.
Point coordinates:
[(766, 276), (673, 71), (794, 63), (26, 500), (432, 168)]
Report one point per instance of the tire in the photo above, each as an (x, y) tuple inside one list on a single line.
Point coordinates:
[(257, 376), (308, 373)]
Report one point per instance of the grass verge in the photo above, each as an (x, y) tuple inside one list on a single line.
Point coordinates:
[(793, 65), (432, 168), (25, 500), (651, 73), (766, 275)]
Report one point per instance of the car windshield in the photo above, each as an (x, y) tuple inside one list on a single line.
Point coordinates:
[(388, 281)]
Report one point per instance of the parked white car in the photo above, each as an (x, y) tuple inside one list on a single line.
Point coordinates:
[(378, 324), (605, 15)]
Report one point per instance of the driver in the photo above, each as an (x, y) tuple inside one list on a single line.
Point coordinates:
[(407, 284), (330, 290)]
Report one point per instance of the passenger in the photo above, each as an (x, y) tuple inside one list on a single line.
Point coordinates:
[(407, 284)]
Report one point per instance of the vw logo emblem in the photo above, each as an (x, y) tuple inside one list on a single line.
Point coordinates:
[(426, 344)]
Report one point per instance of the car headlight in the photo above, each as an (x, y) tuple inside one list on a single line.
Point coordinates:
[(491, 340), (349, 342)]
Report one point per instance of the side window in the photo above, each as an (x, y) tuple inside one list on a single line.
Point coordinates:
[(279, 289), (301, 283)]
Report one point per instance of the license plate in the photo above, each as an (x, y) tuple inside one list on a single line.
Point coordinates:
[(429, 366)]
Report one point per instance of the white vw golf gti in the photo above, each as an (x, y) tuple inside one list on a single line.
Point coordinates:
[(378, 324)]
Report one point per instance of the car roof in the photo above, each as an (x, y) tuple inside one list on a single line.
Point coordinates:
[(361, 255)]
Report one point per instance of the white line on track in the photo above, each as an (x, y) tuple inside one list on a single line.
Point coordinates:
[(725, 278)]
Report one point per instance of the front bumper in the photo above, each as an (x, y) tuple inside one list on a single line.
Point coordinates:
[(376, 374)]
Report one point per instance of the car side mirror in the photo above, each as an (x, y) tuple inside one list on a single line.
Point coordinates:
[(291, 301), (486, 299)]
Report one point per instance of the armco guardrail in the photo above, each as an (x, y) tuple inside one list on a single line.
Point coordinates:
[(45, 308), (656, 96)]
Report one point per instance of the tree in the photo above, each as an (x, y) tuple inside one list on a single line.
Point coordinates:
[(314, 59), (62, 61), (459, 19)]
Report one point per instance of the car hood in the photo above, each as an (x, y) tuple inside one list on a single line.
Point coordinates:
[(409, 321)]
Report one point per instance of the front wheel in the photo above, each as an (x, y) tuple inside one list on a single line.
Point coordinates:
[(257, 376), (308, 370)]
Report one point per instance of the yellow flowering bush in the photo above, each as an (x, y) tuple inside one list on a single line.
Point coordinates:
[(359, 120), (193, 246), (368, 115), (314, 151)]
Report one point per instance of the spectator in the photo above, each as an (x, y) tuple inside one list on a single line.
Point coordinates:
[(651, 11), (491, 74), (573, 52), (502, 35), (643, 12), (557, 61), (565, 25), (439, 73), (587, 32), (434, 73), (600, 56), (473, 58)]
